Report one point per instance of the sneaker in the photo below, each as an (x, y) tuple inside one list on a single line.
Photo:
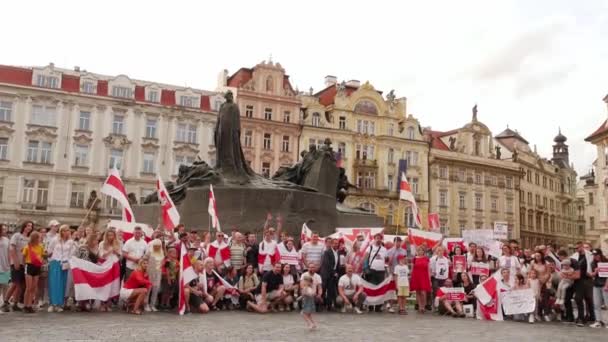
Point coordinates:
[(531, 319), (547, 318), (596, 325), (391, 310), (154, 309), (51, 308), (343, 310), (5, 307), (58, 309), (16, 307), (147, 308), (358, 311), (580, 324)]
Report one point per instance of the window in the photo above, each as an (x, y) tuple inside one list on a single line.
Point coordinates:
[(47, 81), (529, 198), (249, 111), (287, 116), (35, 194), (462, 200), (189, 101), (1, 189), (44, 115), (149, 161), (268, 114), (116, 157), (545, 182), (267, 141), (39, 152), (551, 204), (536, 179), (269, 85), (391, 156), (390, 129), (443, 172), (590, 197), (537, 198), (545, 202), (443, 198), (529, 176), (152, 96), (182, 160), (366, 180), (390, 183), (372, 128), (389, 214), (123, 92), (411, 157), (509, 182), (342, 122), (84, 121), (342, 149), (81, 155), (509, 205), (369, 207), (494, 203), (478, 178), (409, 217), (414, 184), (6, 110), (461, 174), (3, 148), (88, 87), (411, 133), (151, 128), (285, 145), (248, 140), (551, 184), (77, 196), (266, 169), (591, 223), (478, 198), (316, 119), (186, 133), (118, 124)]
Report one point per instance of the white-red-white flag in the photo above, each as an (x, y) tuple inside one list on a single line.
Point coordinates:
[(381, 293), (405, 193), (418, 237), (488, 298), (212, 209), (305, 234), (434, 224), (169, 211), (186, 275), (95, 282), (115, 188)]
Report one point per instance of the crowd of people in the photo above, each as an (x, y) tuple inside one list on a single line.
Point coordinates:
[(235, 272)]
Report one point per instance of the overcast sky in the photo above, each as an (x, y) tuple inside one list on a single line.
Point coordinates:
[(532, 65)]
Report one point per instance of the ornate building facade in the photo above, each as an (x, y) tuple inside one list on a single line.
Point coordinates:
[(471, 187), (374, 135), (61, 130), (269, 115), (597, 189), (549, 211)]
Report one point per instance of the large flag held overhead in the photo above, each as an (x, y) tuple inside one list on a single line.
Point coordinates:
[(95, 282), (405, 193), (115, 188), (186, 275), (418, 237), (169, 211), (212, 209), (305, 234)]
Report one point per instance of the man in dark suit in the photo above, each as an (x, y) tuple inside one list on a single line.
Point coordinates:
[(329, 275)]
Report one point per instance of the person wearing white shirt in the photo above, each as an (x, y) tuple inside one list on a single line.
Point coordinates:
[(133, 250), (317, 282), (350, 290), (402, 280), (376, 260), (59, 251), (440, 269)]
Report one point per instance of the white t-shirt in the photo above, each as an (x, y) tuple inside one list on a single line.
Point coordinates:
[(377, 256), (313, 253), (440, 267), (61, 250), (135, 249), (4, 264), (19, 241), (349, 283), (316, 279), (403, 275)]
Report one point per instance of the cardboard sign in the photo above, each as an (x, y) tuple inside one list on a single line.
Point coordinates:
[(480, 268), (518, 302), (501, 230), (602, 269), (459, 263), (454, 293)]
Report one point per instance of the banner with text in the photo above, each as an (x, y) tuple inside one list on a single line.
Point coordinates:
[(518, 302)]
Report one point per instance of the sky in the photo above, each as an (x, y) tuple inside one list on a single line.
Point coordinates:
[(534, 66)]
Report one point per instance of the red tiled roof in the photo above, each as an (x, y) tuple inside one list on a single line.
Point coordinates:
[(601, 130), (242, 76), (70, 83), (436, 141), (205, 103), (167, 97), (140, 93), (102, 88), (21, 76), (328, 95)]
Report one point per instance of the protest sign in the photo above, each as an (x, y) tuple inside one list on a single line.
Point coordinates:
[(454, 293), (602, 269), (501, 230), (459, 263), (480, 268), (518, 302)]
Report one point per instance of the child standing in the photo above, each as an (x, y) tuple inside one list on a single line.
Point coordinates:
[(308, 301), (534, 284), (401, 276), (565, 282)]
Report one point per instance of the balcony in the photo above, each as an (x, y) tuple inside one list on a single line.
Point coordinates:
[(366, 163), (381, 192)]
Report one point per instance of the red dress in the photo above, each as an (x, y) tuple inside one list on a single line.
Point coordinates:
[(421, 280)]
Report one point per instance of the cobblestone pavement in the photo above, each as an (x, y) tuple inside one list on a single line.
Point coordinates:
[(241, 326)]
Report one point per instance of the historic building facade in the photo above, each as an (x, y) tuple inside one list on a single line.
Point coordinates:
[(597, 188), (61, 130), (376, 139), (269, 115), (471, 187), (549, 210)]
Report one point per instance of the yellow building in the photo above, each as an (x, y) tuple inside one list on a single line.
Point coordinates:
[(373, 133), (471, 188)]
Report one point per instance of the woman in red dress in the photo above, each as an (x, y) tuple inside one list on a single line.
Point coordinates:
[(421, 278)]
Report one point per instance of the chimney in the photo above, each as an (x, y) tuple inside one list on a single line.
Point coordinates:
[(330, 80), (353, 83), (77, 68)]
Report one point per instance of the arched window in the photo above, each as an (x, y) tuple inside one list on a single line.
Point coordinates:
[(391, 155), (369, 207), (316, 119), (269, 84)]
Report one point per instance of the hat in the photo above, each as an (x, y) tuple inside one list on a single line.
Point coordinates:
[(400, 257), (53, 223)]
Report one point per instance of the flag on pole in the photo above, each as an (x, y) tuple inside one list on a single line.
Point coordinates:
[(405, 193), (115, 188), (95, 282), (434, 224), (212, 209), (169, 211), (306, 234), (418, 237), (186, 275)]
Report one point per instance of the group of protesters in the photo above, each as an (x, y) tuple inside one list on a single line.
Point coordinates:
[(236, 272)]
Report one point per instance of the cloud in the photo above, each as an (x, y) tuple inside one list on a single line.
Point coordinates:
[(527, 84)]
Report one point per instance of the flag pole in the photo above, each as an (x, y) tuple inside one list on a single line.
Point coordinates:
[(88, 211)]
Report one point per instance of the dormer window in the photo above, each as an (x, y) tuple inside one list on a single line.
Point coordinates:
[(189, 101), (89, 87), (152, 96), (47, 81), (123, 92)]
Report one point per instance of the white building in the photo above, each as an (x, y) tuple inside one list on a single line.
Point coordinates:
[(61, 130)]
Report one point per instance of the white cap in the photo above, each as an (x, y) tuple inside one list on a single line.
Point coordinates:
[(53, 223)]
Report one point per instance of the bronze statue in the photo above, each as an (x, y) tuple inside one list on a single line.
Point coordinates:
[(452, 143), (498, 154), (132, 198), (93, 207), (343, 186), (230, 161)]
